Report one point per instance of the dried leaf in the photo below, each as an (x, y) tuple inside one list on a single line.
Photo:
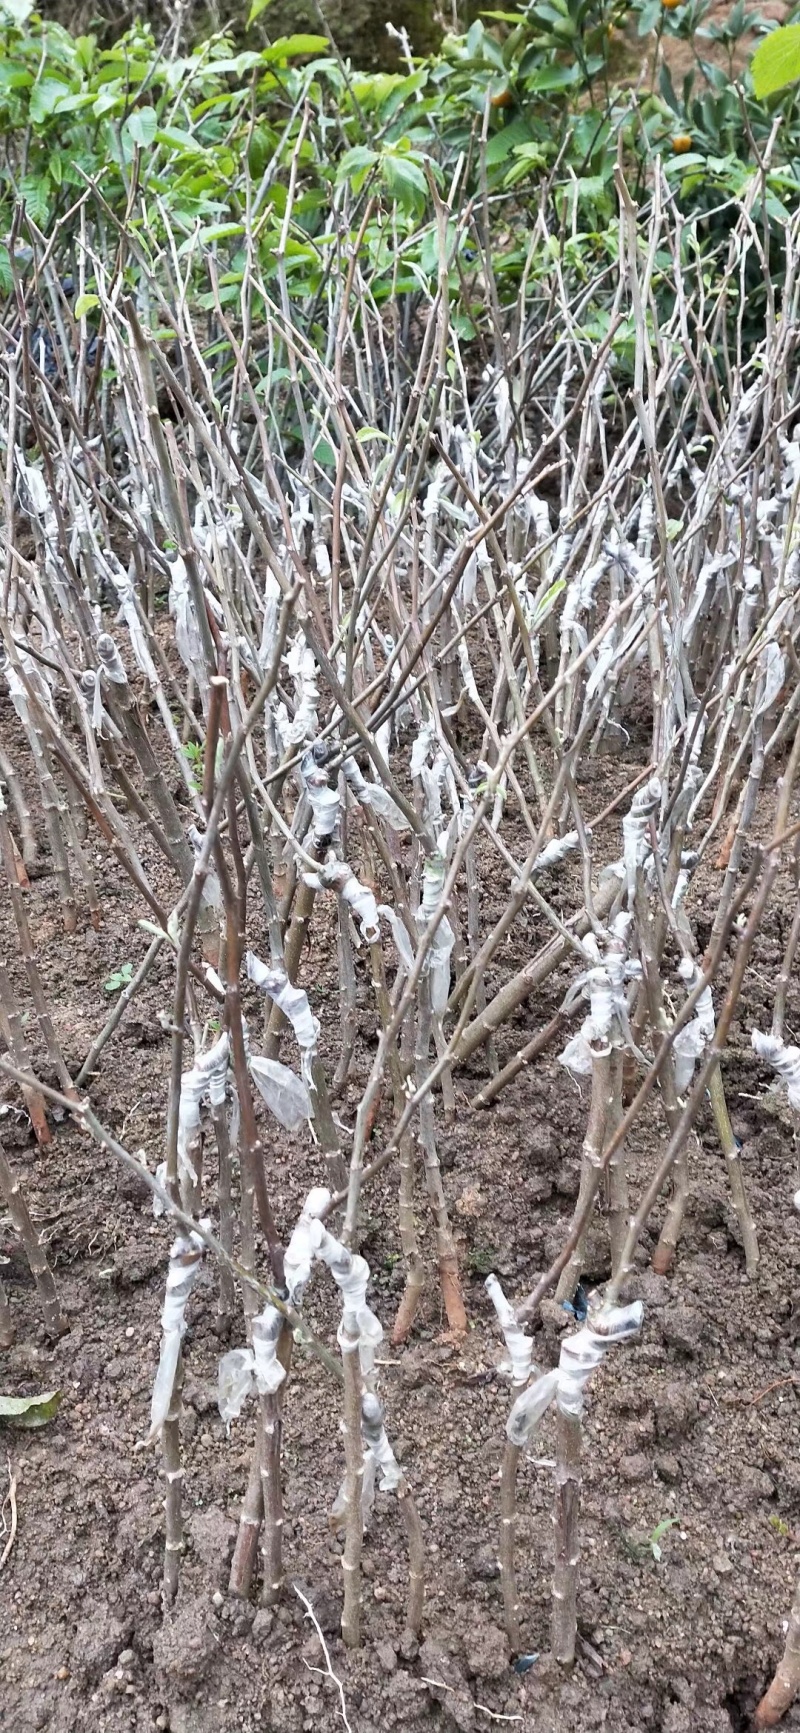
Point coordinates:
[(29, 1410)]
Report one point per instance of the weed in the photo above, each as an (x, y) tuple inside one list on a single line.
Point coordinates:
[(119, 978)]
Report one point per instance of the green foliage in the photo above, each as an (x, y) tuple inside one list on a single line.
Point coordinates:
[(776, 61), (197, 154), (194, 755), (121, 977), (658, 1533), (642, 1548)]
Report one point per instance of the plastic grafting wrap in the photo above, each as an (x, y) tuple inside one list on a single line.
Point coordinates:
[(112, 663), (215, 1066), (247, 1368), (431, 777), (469, 682), (193, 1089), (421, 748), (580, 597), (690, 1042), (187, 631), (293, 1002), (302, 666), (323, 799), (339, 877), (299, 1254), (433, 874), (39, 501), (283, 1091), (374, 1433), (634, 829), (211, 893), (268, 1369), (580, 1356), (374, 795), (92, 695), (234, 1382), (520, 1346), (129, 616), (184, 1267), (351, 1275), (785, 1060), (209, 1070), (555, 852), (269, 624), (772, 665), (607, 1023)]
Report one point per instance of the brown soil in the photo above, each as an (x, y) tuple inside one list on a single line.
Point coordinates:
[(696, 1423)]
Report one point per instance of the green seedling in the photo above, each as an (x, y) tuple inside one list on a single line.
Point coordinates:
[(193, 753), (654, 1540), (121, 977), (642, 1547)]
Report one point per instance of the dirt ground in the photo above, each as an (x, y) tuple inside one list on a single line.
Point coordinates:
[(695, 1425)]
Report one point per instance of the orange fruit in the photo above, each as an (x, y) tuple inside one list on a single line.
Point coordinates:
[(681, 143), (671, 5), (501, 99)]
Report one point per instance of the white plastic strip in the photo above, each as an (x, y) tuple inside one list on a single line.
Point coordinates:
[(323, 799), (634, 829), (293, 1002), (520, 1346), (580, 1356), (373, 795), (433, 874), (184, 1268), (783, 1059), (245, 1369), (374, 1432), (283, 1091), (299, 1254), (360, 1328)]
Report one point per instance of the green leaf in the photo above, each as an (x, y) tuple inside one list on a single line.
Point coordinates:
[(405, 181), (554, 78), (549, 600), (84, 305), (776, 61), (29, 1410), (360, 157), (45, 98), (287, 47), (142, 126), (503, 143), (256, 10), (35, 191)]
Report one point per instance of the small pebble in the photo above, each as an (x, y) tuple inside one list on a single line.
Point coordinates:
[(218, 1598)]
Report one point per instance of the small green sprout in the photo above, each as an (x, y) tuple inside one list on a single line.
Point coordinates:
[(655, 1539), (120, 977)]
